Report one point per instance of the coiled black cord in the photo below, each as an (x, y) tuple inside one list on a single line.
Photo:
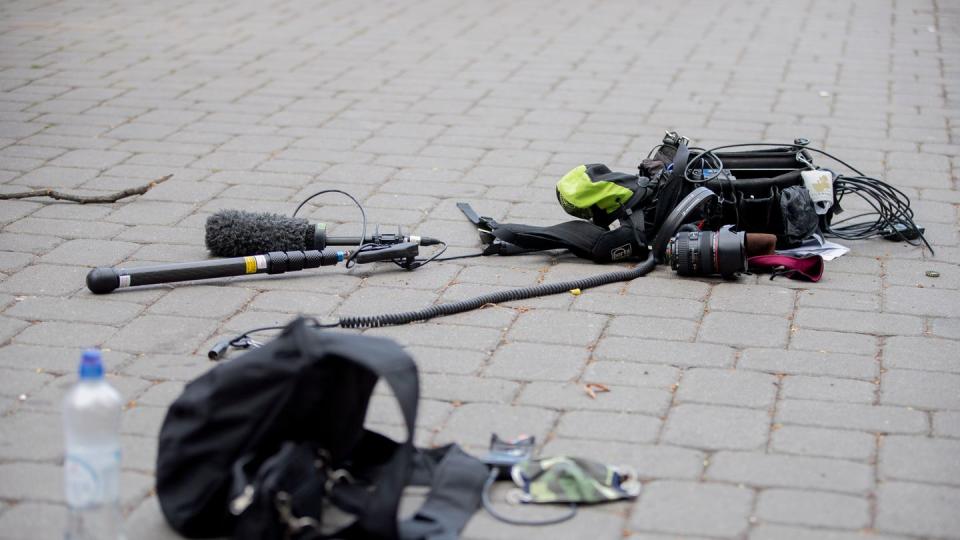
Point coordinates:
[(243, 340), (451, 308), (891, 214)]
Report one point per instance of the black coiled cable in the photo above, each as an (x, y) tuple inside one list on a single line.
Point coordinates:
[(891, 215), (451, 308)]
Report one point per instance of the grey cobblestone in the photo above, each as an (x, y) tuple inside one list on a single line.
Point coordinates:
[(917, 509), (946, 424), (10, 327), (23, 382), (716, 428), (618, 398), (813, 508), (448, 387), (884, 324), (664, 352), (921, 389), (808, 441), (45, 279), (839, 300), (920, 459), (26, 437), (841, 342), (50, 359), (809, 363), (923, 301), (773, 532), (772, 470), (550, 326), (485, 103), (201, 301), (20, 522), (616, 304), (89, 252), (162, 333), (751, 299), (727, 387), (744, 330), (529, 361), (922, 353), (653, 328), (828, 389), (596, 425), (692, 508), (852, 416), (631, 374), (65, 334), (95, 159)]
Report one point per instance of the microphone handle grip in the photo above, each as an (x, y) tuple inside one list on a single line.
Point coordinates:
[(104, 280)]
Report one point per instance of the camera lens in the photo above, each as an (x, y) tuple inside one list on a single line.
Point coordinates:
[(707, 253)]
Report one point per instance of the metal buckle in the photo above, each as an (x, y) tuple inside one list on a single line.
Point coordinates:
[(674, 138), (802, 159), (294, 524), (242, 502), (335, 478)]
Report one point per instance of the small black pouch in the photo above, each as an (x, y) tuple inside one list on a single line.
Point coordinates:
[(798, 215), (759, 213)]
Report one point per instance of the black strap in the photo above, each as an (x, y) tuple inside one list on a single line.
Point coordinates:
[(456, 481), (577, 236), (671, 193), (395, 366), (468, 211)]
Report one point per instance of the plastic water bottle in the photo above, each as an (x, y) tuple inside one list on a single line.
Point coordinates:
[(91, 425)]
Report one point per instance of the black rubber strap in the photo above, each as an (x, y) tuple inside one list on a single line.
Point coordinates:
[(397, 368), (456, 480)]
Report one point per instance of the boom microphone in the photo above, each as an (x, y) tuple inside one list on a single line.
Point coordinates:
[(236, 233), (104, 279)]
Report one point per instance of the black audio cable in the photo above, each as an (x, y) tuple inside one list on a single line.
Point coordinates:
[(461, 306), (893, 217)]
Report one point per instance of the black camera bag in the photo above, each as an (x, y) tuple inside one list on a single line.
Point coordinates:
[(766, 196), (262, 446)]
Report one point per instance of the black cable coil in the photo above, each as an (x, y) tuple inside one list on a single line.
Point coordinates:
[(451, 308)]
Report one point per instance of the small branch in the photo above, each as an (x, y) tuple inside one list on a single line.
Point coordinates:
[(86, 199)]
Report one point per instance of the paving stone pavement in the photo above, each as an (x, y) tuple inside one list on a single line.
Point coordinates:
[(751, 409)]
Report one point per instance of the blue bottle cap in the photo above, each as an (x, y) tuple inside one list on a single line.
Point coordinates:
[(91, 365)]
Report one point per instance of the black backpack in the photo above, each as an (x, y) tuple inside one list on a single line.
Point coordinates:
[(271, 444)]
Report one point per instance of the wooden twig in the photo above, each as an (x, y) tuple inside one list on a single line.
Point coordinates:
[(86, 199)]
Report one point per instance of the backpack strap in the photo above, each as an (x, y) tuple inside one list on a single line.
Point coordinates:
[(387, 360), (456, 482), (672, 190)]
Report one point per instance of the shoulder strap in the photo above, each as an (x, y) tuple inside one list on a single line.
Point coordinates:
[(578, 236), (387, 360), (456, 482)]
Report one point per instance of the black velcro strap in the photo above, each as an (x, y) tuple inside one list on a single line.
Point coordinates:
[(456, 480), (577, 236)]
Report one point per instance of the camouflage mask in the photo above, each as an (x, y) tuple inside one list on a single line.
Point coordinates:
[(572, 480)]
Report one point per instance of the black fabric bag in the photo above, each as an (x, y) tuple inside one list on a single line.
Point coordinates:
[(258, 447)]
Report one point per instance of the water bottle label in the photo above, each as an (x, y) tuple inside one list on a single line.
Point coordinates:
[(92, 478)]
